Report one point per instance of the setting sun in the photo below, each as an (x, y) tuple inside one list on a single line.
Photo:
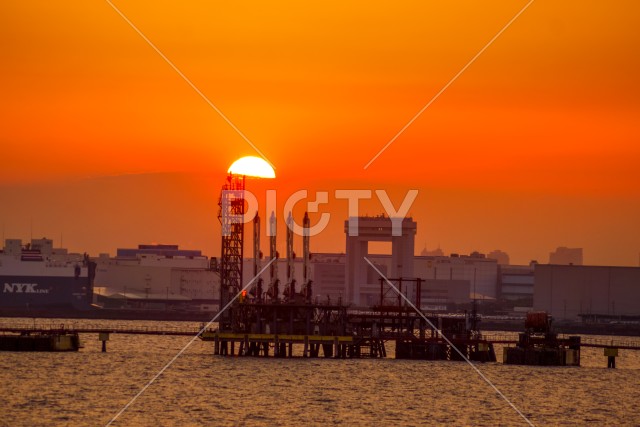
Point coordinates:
[(253, 167)]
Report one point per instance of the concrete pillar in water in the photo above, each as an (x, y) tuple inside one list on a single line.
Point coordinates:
[(611, 353), (104, 337)]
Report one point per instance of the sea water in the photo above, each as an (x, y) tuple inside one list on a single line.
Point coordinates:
[(89, 388)]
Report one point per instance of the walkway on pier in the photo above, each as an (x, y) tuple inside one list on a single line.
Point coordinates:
[(622, 342), (100, 329)]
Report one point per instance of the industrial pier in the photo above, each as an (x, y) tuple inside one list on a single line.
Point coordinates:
[(321, 330), (39, 340), (539, 345), (258, 319), (257, 327), (415, 338)]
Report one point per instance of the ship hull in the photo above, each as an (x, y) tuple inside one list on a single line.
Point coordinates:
[(37, 292)]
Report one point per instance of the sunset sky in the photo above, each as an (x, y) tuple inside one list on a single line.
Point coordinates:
[(536, 145)]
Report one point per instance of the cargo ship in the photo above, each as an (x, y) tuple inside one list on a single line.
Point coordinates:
[(37, 276)]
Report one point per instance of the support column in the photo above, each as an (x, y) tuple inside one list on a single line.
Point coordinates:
[(104, 337)]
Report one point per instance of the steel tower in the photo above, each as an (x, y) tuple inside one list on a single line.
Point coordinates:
[(230, 215)]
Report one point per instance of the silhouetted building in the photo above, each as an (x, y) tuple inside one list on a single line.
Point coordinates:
[(435, 252), (498, 255), (329, 276), (566, 256), (480, 273), (158, 272), (568, 291), (167, 251), (516, 284), (442, 295)]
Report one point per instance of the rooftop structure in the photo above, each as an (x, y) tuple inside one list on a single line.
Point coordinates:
[(168, 251), (566, 256)]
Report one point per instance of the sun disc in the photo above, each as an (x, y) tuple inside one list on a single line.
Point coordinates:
[(252, 166)]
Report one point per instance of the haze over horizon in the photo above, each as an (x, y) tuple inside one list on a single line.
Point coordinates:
[(536, 145), (98, 215)]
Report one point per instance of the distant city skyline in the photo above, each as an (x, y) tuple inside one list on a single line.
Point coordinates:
[(103, 214)]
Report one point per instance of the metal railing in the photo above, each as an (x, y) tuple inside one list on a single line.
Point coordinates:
[(97, 328), (507, 338)]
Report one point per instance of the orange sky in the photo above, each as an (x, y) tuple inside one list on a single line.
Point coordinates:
[(536, 145)]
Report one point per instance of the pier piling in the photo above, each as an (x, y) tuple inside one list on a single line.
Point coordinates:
[(104, 337), (611, 353)]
